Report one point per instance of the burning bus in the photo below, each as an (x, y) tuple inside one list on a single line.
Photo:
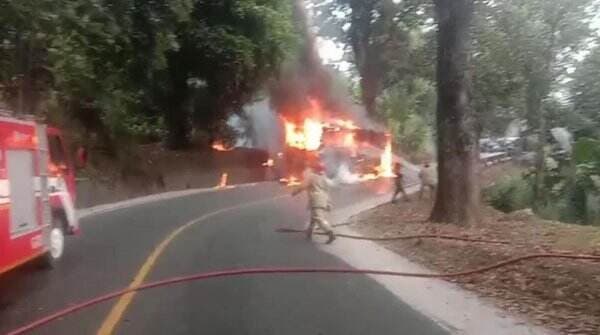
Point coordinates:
[(297, 134), (345, 148)]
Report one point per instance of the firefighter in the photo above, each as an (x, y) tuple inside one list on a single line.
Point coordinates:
[(316, 185), (428, 177), (398, 182)]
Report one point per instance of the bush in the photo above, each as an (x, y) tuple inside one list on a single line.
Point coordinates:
[(571, 188), (510, 194)]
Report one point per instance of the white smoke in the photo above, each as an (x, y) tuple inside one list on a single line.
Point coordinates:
[(258, 127), (239, 125), (515, 128), (564, 138), (337, 166), (266, 126), (345, 176)]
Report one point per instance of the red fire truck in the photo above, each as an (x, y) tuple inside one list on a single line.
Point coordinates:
[(37, 192)]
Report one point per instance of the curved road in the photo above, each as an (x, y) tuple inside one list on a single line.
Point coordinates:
[(239, 233)]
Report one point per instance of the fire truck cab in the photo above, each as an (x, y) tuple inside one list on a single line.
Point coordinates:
[(37, 192)]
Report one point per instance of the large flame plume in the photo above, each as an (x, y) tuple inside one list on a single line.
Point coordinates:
[(306, 137), (386, 160)]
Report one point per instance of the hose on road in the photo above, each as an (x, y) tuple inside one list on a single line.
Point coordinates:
[(402, 237), (292, 270)]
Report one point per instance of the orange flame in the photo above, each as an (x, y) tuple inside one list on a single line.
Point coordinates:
[(222, 181), (346, 124), (219, 146), (386, 160), (350, 143), (307, 137), (349, 140), (313, 130), (291, 181), (368, 176)]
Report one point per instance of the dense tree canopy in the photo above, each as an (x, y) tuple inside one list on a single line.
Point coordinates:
[(141, 67), (586, 96), (522, 57), (521, 50), (379, 35), (172, 69)]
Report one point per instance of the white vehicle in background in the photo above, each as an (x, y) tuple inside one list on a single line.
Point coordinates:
[(489, 145)]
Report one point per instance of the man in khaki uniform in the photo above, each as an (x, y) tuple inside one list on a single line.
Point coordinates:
[(317, 187), (428, 176)]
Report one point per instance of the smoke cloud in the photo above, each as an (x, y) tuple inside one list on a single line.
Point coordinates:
[(308, 78)]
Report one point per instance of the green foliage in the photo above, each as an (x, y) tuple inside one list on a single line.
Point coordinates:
[(408, 109), (119, 67), (586, 95), (510, 194), (587, 151), (571, 188), (497, 80), (522, 48), (233, 48), (586, 196), (569, 184)]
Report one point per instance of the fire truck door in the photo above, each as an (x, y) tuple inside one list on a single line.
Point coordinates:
[(22, 193)]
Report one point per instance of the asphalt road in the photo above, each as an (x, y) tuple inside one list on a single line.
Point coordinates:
[(114, 245)]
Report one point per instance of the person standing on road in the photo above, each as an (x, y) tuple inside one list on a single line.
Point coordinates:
[(316, 186), (428, 177), (398, 181)]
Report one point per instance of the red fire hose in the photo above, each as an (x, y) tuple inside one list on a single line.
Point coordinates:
[(241, 272), (403, 237)]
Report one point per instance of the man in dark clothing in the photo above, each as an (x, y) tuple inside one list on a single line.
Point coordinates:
[(398, 182)]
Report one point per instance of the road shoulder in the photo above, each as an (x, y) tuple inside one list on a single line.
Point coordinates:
[(456, 309)]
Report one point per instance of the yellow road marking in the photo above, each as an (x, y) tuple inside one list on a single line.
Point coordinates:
[(119, 308)]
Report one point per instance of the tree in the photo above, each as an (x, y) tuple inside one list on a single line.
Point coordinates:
[(498, 85), (458, 197), (24, 38), (232, 48), (544, 34), (379, 35), (585, 90), (522, 48), (128, 67), (88, 61), (409, 109)]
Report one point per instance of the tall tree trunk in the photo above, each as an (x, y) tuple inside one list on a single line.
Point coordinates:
[(535, 117), (360, 41), (369, 90), (538, 88), (458, 196), (177, 120), (178, 110)]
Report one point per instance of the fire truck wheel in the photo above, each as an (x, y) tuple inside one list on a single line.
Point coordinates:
[(56, 242)]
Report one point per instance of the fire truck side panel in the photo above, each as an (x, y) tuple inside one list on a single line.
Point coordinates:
[(20, 249), (20, 224)]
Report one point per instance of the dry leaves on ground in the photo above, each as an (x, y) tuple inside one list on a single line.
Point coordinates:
[(560, 294)]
